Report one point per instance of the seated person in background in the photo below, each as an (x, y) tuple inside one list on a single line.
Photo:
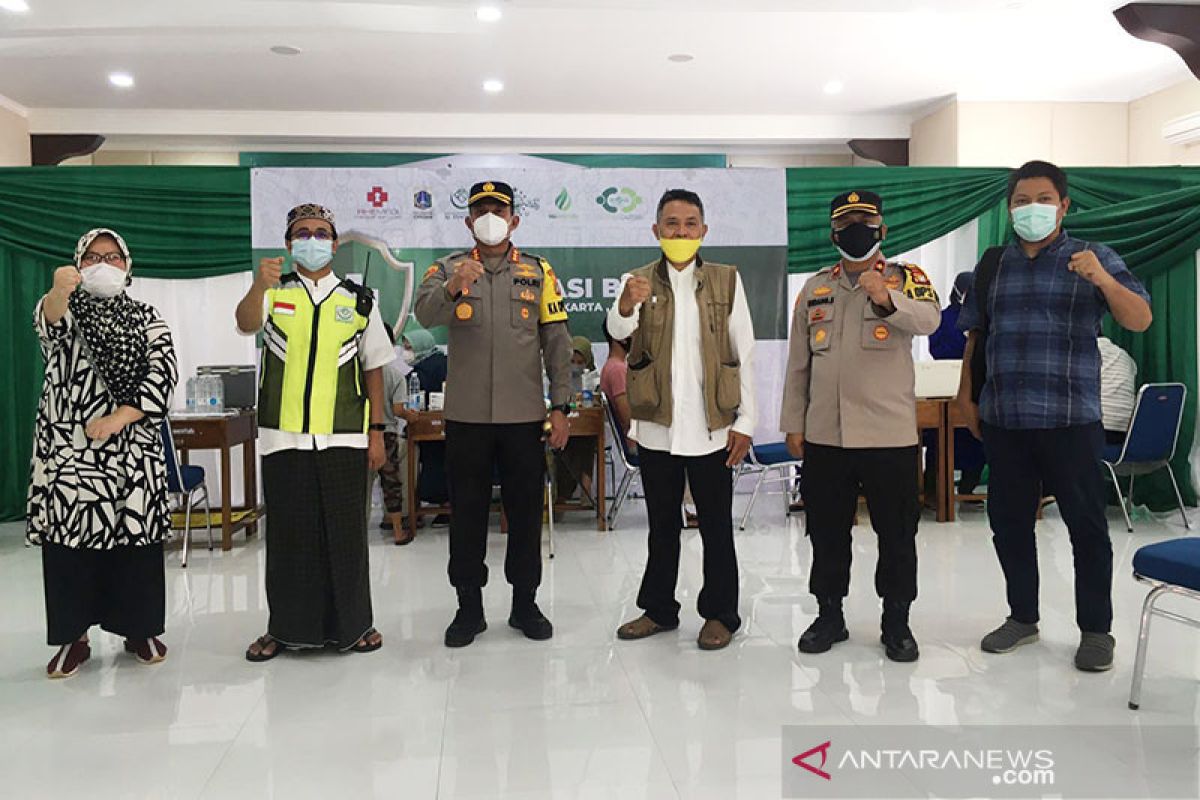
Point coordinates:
[(423, 355), (574, 465), (947, 343), (394, 472), (612, 379), (1118, 390)]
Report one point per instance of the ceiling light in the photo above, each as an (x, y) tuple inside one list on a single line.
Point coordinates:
[(122, 80), (493, 86), (488, 14), (285, 50), (15, 6), (680, 58), (834, 87)]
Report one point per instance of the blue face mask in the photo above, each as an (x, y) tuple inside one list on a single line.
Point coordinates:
[(312, 254), (1035, 222)]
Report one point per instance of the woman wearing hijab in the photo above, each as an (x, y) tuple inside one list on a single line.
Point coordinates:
[(429, 363), (574, 465), (98, 489)]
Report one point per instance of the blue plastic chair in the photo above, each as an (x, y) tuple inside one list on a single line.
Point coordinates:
[(765, 459), (1150, 442), (1171, 567), (628, 459), (185, 483)]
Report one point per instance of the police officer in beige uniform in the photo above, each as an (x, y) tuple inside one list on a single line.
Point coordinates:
[(505, 316), (849, 410)]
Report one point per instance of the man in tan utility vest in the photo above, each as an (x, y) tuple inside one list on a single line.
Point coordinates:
[(691, 396), (850, 411)]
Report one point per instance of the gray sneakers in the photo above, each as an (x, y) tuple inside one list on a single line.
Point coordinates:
[(1095, 653), (1009, 637)]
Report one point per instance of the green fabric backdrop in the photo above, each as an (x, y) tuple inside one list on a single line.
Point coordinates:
[(180, 222), (195, 222)]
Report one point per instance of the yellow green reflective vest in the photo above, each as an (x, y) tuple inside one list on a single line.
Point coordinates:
[(312, 380)]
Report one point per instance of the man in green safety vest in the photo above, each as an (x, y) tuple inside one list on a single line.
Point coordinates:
[(320, 417)]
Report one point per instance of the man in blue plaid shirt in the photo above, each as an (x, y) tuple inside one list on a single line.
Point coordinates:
[(1039, 411)]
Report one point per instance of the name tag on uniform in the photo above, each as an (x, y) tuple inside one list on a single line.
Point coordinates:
[(820, 301), (288, 309)]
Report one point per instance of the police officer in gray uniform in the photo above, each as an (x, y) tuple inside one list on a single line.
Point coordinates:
[(506, 317), (850, 411)]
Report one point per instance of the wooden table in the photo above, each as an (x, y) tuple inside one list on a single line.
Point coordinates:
[(430, 426), (205, 432), (933, 413)]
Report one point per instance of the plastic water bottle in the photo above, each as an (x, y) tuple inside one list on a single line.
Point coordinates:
[(190, 396), (415, 395), (218, 394)]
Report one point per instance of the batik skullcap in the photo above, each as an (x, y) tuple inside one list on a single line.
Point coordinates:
[(86, 240), (310, 211)]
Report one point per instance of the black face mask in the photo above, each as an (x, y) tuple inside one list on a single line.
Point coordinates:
[(857, 241)]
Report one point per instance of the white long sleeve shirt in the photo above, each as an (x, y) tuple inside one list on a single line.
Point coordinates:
[(688, 434)]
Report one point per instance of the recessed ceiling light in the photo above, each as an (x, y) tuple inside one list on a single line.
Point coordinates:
[(488, 14), (493, 86), (680, 58), (122, 80), (833, 87), (15, 6), (285, 50)]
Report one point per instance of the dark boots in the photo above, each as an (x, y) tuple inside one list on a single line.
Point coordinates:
[(897, 637), (827, 629), (528, 618), (468, 622)]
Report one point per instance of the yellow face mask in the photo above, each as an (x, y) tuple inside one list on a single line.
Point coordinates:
[(680, 251)]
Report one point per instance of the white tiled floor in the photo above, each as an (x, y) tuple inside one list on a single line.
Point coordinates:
[(580, 716)]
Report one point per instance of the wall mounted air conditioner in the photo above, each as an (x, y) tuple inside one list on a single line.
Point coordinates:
[(1184, 130)]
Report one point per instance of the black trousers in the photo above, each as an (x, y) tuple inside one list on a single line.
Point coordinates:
[(1065, 463), (475, 454), (887, 476), (712, 488), (123, 590)]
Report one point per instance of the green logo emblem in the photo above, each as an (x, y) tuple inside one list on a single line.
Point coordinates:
[(619, 201)]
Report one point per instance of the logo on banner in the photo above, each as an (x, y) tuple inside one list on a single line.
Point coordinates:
[(523, 202), (619, 200), (377, 197), (377, 205), (422, 204), (460, 197), (564, 204)]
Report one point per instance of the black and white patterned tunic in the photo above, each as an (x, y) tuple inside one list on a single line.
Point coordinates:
[(91, 494)]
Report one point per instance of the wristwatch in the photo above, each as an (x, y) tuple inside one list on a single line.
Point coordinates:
[(377, 426), (565, 408)]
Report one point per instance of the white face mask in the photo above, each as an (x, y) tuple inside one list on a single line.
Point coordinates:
[(103, 280), (407, 355), (490, 229)]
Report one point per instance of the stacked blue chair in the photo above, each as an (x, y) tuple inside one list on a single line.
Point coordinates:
[(1170, 567), (1150, 442), (766, 459), (185, 483)]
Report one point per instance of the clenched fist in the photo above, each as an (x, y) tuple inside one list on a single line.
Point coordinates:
[(66, 280), (637, 291), (465, 273), (873, 283), (269, 272)]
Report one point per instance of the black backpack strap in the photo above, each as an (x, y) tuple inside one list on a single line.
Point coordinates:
[(981, 289)]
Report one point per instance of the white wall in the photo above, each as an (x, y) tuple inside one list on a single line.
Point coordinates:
[(14, 138), (1147, 116)]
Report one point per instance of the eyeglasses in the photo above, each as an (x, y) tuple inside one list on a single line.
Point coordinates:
[(320, 235), (91, 259)]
